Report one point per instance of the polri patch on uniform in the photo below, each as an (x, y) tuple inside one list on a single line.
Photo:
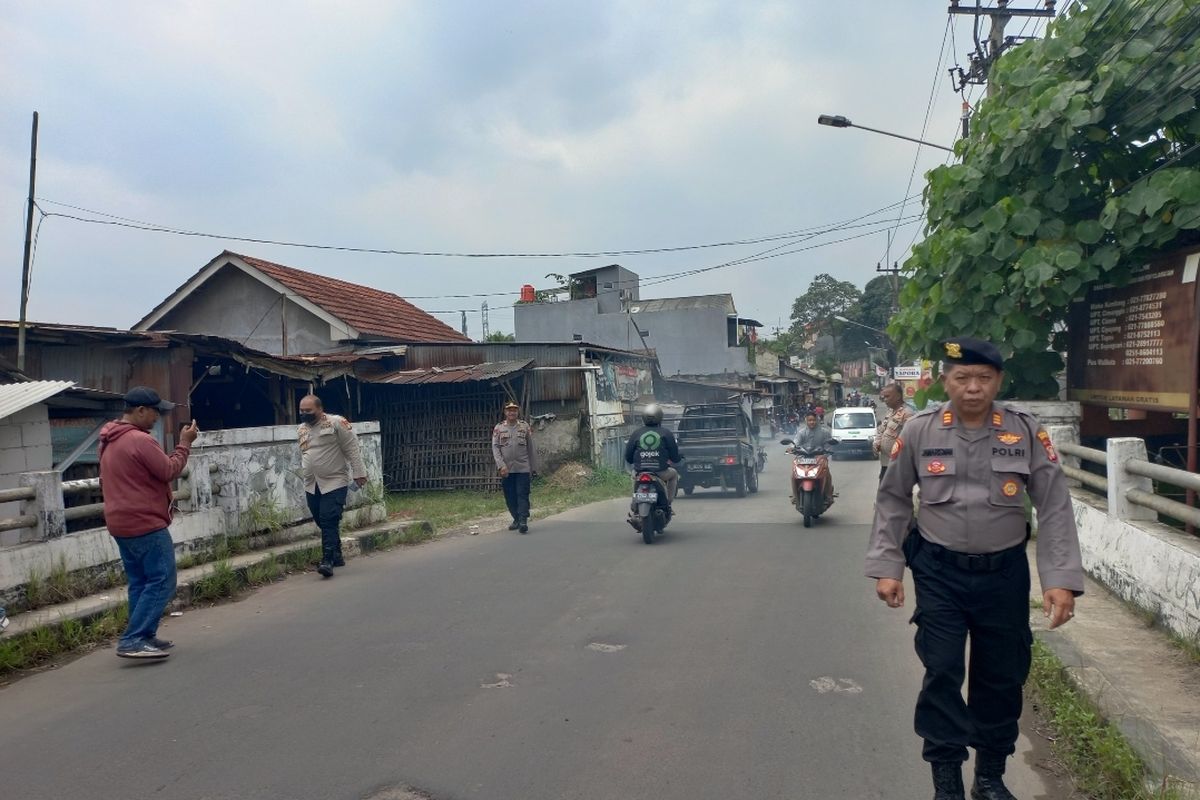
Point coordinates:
[(1044, 438), (935, 467), (1007, 437), (346, 424), (1010, 488), (897, 446)]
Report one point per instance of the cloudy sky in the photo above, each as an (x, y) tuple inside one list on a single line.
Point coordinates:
[(463, 127)]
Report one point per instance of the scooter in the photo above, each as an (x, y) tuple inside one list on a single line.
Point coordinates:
[(651, 506), (810, 475)]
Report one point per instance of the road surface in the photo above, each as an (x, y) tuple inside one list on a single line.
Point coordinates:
[(741, 656)]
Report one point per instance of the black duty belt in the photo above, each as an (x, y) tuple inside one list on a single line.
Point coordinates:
[(973, 562)]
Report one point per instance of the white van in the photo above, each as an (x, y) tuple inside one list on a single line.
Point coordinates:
[(854, 428)]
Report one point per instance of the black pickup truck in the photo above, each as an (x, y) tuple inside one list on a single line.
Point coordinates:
[(719, 446)]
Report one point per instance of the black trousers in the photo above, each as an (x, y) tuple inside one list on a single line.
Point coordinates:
[(326, 511), (516, 495), (992, 609)]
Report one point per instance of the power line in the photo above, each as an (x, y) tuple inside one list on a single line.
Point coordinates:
[(126, 222), (937, 76)]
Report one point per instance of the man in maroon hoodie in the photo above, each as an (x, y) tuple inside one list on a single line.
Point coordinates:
[(135, 477)]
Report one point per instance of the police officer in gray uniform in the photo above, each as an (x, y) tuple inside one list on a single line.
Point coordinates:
[(975, 460)]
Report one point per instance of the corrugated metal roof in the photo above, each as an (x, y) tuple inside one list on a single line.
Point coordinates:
[(719, 302), (17, 396), (488, 370)]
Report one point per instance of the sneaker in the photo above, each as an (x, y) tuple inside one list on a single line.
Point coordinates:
[(523, 527), (339, 562), (514, 525), (141, 650), (326, 569), (161, 644)]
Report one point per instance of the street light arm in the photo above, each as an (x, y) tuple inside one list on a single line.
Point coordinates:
[(838, 121)]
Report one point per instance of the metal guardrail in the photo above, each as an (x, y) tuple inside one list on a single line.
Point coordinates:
[(1163, 505), (1089, 479), (19, 493)]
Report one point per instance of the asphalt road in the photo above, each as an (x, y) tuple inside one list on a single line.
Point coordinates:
[(740, 656)]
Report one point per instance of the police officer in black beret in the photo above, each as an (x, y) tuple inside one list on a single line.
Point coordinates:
[(975, 460)]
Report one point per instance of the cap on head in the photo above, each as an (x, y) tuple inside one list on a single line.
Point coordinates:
[(145, 396), (967, 351), (511, 404)]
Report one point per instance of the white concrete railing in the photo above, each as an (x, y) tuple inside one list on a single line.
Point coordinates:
[(1128, 485), (43, 495)]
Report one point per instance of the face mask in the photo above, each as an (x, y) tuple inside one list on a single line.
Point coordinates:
[(308, 418)]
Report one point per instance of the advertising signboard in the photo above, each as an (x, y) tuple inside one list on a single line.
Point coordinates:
[(1131, 346), (908, 373)]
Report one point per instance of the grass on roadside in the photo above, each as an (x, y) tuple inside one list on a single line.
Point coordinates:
[(1101, 760), (37, 646), (447, 509)]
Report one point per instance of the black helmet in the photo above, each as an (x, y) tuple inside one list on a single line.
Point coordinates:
[(652, 415)]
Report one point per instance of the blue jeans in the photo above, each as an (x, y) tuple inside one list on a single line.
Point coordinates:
[(149, 562), (326, 509)]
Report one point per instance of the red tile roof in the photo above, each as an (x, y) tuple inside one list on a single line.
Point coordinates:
[(370, 311)]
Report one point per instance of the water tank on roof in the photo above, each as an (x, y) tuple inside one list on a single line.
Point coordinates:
[(527, 295)]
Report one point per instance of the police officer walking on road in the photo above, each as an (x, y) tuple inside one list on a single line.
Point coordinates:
[(975, 460), (516, 461), (889, 427), (330, 461)]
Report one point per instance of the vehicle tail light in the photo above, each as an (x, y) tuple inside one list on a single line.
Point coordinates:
[(645, 477), (729, 460)]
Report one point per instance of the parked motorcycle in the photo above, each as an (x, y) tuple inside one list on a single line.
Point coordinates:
[(651, 506), (809, 477)]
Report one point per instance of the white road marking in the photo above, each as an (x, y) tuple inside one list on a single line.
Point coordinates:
[(826, 684)]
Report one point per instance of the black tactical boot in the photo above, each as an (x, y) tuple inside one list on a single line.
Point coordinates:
[(947, 780), (989, 778)]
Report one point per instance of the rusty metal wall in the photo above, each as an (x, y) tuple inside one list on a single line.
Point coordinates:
[(423, 356)]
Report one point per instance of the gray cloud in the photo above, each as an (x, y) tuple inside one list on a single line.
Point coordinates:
[(459, 126)]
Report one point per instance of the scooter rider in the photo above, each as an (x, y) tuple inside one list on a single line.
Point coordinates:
[(652, 448), (815, 436)]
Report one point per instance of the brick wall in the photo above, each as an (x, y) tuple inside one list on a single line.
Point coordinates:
[(24, 447)]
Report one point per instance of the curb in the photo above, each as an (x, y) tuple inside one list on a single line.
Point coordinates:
[(1134, 677), (354, 543)]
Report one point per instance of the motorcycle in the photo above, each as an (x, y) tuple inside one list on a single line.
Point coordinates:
[(651, 506), (810, 475)]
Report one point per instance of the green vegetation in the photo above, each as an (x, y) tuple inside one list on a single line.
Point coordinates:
[(1103, 764), (1075, 173), (40, 645), (264, 516), (61, 585), (446, 510)]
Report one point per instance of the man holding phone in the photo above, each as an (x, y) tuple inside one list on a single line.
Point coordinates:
[(136, 477)]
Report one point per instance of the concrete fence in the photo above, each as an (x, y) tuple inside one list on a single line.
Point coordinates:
[(1150, 564), (238, 481)]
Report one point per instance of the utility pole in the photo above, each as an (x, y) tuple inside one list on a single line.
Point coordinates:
[(485, 327), (25, 265), (991, 48), (464, 322)]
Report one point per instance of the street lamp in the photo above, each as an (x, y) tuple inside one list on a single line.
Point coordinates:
[(839, 121), (840, 318)]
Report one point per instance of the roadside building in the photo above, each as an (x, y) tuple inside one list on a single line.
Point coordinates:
[(285, 311), (700, 336)]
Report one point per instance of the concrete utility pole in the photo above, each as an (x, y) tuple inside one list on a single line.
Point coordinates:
[(987, 51), (28, 247)]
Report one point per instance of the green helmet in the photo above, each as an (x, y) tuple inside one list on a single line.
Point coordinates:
[(652, 415)]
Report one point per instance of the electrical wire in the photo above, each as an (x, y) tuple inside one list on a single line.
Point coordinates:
[(937, 76), (126, 222)]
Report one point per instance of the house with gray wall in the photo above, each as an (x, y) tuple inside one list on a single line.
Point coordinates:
[(698, 336), (286, 311)]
